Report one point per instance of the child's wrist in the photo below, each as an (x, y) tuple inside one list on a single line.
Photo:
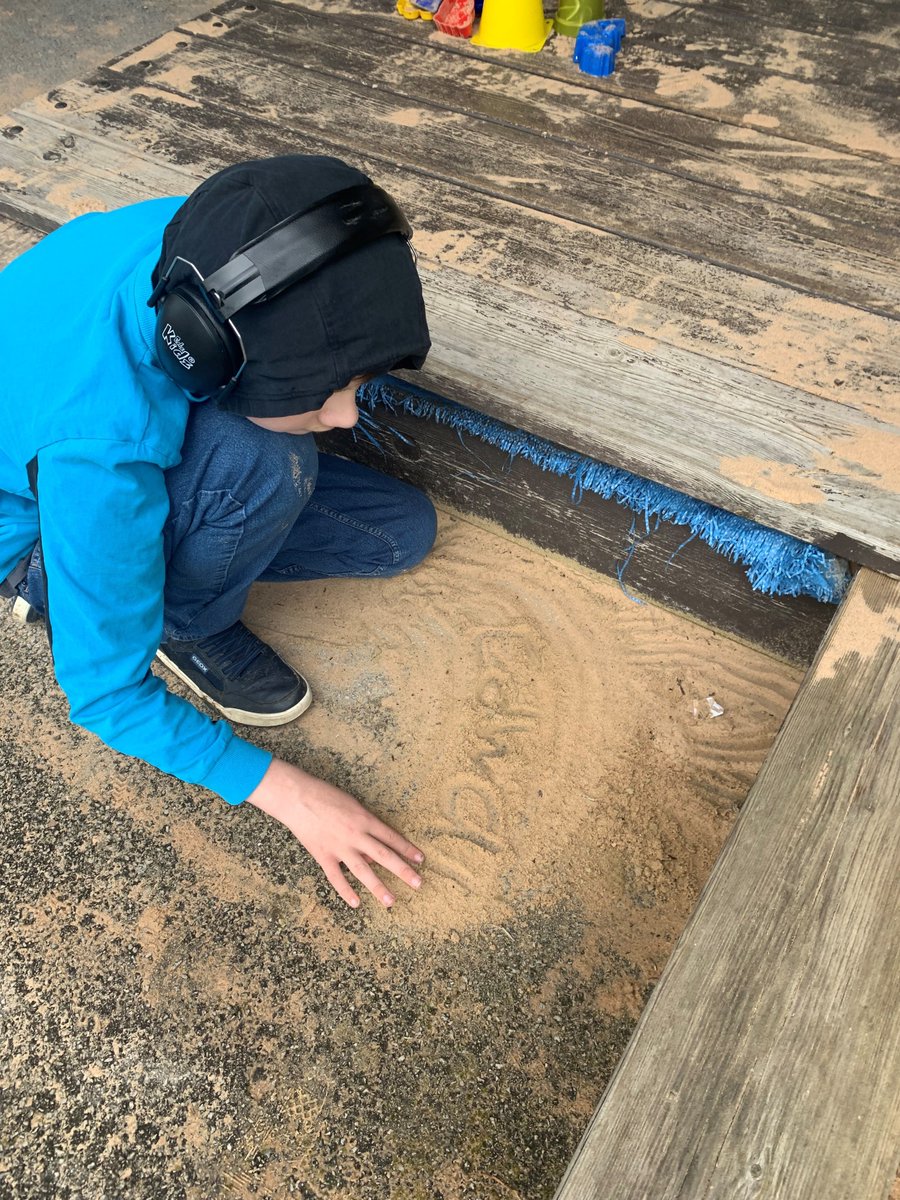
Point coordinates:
[(278, 789)]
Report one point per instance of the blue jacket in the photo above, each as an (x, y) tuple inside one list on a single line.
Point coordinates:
[(87, 414)]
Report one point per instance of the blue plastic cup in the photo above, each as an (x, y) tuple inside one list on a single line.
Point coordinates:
[(613, 27), (618, 25), (597, 59), (593, 33)]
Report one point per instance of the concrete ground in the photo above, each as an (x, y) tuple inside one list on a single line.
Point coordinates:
[(45, 42)]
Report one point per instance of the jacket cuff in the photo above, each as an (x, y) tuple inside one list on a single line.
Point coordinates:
[(238, 771)]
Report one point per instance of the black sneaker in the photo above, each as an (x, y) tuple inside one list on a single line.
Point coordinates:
[(240, 675)]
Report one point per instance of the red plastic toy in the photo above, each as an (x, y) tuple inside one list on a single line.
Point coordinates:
[(456, 17)]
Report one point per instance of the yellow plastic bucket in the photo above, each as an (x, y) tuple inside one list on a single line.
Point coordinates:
[(513, 25)]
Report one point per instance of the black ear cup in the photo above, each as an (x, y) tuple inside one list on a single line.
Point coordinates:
[(194, 349)]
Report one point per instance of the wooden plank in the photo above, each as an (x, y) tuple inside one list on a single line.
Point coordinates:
[(52, 171), (765, 1063), (818, 114), (874, 21), (842, 260), (553, 373), (547, 364), (831, 184), (695, 36), (15, 239), (802, 85)]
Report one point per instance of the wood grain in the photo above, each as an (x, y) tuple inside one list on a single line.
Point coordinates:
[(571, 377), (840, 185), (840, 354), (722, 86), (876, 22), (694, 36), (15, 239), (765, 1063), (848, 261)]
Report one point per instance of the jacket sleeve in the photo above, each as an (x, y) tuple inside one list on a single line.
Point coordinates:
[(101, 519)]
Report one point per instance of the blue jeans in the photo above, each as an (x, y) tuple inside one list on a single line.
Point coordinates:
[(247, 504)]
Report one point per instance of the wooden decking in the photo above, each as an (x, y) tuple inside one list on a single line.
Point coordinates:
[(689, 270)]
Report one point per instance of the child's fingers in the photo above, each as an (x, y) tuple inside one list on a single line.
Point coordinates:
[(390, 837), (339, 882), (377, 851), (370, 880)]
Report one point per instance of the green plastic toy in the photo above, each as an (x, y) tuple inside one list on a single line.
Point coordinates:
[(572, 14)]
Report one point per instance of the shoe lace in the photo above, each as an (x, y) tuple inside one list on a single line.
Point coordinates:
[(235, 649)]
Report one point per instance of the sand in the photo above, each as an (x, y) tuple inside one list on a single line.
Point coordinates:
[(192, 1013), (513, 729)]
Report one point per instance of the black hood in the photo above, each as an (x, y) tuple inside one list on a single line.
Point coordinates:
[(361, 313)]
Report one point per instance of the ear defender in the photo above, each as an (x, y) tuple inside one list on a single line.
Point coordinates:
[(197, 344), (197, 350)]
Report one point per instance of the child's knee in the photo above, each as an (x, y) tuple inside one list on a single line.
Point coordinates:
[(420, 530), (281, 473)]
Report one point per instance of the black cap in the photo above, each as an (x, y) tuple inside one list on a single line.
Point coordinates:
[(361, 313)]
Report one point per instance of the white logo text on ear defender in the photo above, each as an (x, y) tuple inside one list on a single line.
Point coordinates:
[(177, 346)]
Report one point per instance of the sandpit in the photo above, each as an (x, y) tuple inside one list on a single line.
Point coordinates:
[(194, 1014)]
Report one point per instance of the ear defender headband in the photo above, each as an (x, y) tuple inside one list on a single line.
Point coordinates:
[(197, 343)]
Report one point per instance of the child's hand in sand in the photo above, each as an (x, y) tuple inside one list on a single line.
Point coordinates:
[(336, 829)]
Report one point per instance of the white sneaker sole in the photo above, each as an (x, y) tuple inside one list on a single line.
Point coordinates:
[(238, 714), (23, 611)]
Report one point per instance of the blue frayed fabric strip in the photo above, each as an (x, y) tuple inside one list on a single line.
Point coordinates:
[(776, 563)]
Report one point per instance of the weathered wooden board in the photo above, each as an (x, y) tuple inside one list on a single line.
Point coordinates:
[(825, 90), (829, 184), (877, 22), (820, 114), (584, 392), (568, 377), (15, 239), (52, 171), (695, 36), (766, 1062), (845, 261)]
